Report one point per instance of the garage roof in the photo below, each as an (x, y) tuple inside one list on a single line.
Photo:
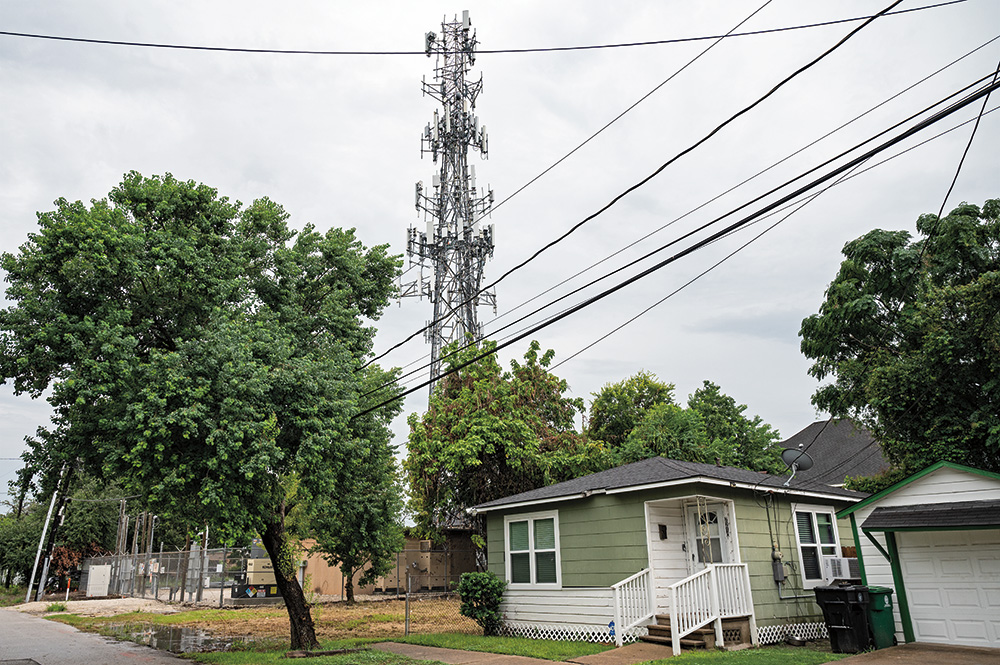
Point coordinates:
[(935, 516)]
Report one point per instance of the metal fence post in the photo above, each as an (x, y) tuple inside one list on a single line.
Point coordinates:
[(222, 577), (406, 630)]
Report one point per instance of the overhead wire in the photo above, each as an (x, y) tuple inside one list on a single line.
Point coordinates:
[(797, 205), (706, 225), (747, 180), (720, 195), (550, 49), (659, 169), (937, 117), (895, 312), (581, 145)]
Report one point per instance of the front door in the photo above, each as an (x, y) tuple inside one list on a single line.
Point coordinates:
[(708, 537)]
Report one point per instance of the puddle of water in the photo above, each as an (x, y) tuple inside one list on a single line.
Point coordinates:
[(175, 639)]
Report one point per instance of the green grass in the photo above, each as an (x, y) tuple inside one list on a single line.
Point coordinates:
[(367, 657), (11, 595), (776, 655), (514, 646), (56, 607)]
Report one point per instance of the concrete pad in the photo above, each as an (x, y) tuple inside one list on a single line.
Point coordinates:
[(637, 652), (919, 653)]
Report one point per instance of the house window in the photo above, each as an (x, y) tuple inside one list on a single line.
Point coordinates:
[(533, 549), (816, 531)]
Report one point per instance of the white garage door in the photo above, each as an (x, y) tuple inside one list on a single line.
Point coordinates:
[(952, 583)]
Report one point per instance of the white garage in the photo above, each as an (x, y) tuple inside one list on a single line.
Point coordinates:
[(934, 538)]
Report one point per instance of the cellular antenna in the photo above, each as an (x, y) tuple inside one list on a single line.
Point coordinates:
[(453, 250), (797, 460)]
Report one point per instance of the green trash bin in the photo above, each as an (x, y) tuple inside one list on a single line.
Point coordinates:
[(880, 618)]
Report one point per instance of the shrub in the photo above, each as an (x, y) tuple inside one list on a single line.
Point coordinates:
[(481, 596)]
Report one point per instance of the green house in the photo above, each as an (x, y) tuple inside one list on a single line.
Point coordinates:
[(715, 550)]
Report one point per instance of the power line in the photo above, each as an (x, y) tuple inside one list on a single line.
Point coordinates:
[(434, 323), (801, 205), (937, 117), (659, 170), (549, 49), (712, 222), (727, 191)]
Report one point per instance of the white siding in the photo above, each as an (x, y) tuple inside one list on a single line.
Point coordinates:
[(591, 606), (666, 557), (942, 486)]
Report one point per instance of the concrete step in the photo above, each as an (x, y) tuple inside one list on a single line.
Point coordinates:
[(686, 643)]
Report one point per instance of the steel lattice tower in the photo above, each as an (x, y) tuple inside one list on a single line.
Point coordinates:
[(453, 250)]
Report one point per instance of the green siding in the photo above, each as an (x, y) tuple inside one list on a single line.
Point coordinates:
[(603, 541)]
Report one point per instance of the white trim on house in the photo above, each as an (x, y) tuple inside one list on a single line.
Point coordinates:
[(534, 502), (532, 550), (727, 483), (666, 483)]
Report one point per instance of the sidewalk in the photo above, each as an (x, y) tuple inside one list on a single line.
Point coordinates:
[(628, 655)]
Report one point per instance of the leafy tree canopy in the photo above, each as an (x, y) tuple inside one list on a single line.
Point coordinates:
[(489, 433), (747, 443), (909, 333), (669, 431), (199, 351), (619, 407)]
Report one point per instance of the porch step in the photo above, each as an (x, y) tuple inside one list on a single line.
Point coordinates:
[(686, 642), (702, 638), (659, 633)]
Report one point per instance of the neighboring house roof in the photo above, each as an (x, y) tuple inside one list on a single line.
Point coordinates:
[(839, 448), (984, 513), (662, 472)]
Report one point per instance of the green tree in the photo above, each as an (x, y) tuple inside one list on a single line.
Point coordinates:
[(361, 528), (619, 407), (489, 433), (909, 333), (19, 541), (747, 443), (199, 351), (669, 431)]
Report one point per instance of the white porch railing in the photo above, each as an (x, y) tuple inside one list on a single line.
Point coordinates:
[(720, 591), (634, 602)]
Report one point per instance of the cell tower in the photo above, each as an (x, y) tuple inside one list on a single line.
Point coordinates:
[(455, 247)]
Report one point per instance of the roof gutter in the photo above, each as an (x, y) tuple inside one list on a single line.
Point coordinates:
[(536, 502), (669, 483)]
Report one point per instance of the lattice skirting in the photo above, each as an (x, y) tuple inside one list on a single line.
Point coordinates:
[(807, 631), (565, 631)]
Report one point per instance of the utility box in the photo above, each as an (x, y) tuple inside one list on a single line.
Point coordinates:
[(260, 572)]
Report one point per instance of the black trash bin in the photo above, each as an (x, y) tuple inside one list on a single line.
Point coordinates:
[(845, 611)]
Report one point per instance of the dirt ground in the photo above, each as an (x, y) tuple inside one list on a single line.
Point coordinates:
[(100, 607), (336, 620)]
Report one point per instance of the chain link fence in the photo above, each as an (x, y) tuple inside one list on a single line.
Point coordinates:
[(430, 599), (433, 606), (198, 576)]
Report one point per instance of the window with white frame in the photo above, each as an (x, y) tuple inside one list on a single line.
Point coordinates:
[(532, 549), (816, 534)]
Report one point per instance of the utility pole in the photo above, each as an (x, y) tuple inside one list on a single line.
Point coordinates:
[(454, 247)]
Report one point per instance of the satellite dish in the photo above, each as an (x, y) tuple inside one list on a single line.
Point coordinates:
[(797, 460)]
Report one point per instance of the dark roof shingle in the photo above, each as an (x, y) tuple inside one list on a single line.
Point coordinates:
[(930, 516), (660, 470)]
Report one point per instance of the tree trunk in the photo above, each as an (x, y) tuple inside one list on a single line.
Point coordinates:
[(303, 631), (348, 584)]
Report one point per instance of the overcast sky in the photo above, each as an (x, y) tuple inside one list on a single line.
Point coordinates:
[(335, 140)]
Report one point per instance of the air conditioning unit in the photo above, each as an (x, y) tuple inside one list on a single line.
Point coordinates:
[(835, 568)]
